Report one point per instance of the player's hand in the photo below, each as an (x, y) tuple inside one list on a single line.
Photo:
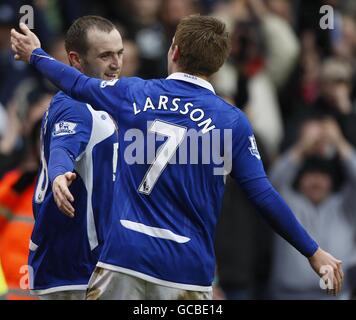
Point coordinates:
[(61, 193), (24, 44), (329, 269)]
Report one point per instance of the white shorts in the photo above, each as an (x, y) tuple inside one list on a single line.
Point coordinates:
[(64, 295), (112, 285)]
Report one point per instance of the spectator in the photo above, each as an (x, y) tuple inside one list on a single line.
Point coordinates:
[(321, 202), (16, 220), (334, 100), (259, 66)]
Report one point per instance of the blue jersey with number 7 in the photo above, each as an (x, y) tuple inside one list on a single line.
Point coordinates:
[(178, 140)]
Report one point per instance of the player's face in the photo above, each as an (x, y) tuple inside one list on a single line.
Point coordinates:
[(104, 57)]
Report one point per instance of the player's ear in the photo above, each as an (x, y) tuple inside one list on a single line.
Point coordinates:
[(74, 59), (175, 53)]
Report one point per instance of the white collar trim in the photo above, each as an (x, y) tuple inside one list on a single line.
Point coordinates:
[(192, 79)]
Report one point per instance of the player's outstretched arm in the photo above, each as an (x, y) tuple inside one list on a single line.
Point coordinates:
[(27, 48), (248, 170), (61, 193)]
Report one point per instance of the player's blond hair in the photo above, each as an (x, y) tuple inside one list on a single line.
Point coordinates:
[(203, 44)]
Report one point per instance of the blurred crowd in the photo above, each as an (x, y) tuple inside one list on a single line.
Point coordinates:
[(295, 81)]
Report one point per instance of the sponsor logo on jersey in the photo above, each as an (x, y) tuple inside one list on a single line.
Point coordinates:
[(253, 149), (109, 83), (63, 128)]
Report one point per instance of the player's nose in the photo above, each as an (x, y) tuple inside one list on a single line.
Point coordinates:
[(115, 63)]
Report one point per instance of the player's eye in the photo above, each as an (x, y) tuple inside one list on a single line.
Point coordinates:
[(104, 56)]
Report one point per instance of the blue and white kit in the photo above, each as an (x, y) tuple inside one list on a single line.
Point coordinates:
[(165, 212), (63, 250)]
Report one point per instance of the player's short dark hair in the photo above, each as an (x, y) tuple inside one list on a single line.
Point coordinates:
[(76, 38), (203, 44)]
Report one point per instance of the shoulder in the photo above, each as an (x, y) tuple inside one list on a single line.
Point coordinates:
[(229, 113), (67, 116), (65, 106), (63, 101), (123, 81)]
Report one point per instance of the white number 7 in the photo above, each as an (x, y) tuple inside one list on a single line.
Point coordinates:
[(164, 153)]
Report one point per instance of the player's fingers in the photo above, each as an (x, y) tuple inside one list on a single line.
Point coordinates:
[(328, 285), (14, 47), (339, 269), (59, 203), (71, 176), (15, 44), (66, 208), (55, 197), (340, 276), (13, 40), (66, 211), (13, 33), (62, 203), (65, 204), (65, 191), (58, 196), (18, 35), (25, 29), (336, 280), (336, 286)]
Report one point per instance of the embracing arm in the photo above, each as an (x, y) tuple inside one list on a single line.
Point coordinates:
[(74, 83), (60, 172)]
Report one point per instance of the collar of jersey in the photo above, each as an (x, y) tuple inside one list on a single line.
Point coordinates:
[(192, 79)]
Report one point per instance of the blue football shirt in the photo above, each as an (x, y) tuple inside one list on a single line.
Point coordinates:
[(174, 134), (63, 250)]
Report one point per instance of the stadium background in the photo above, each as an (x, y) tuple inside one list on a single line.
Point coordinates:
[(285, 71)]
